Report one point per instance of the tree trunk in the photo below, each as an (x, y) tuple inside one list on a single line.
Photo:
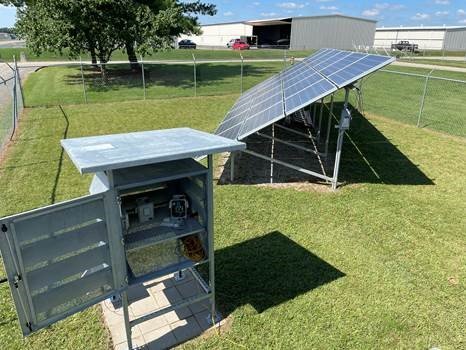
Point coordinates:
[(133, 60), (93, 57), (103, 68)]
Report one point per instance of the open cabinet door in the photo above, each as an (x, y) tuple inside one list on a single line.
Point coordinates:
[(58, 260)]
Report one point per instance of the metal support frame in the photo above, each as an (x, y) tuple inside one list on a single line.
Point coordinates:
[(329, 124), (289, 143), (294, 131), (210, 232), (208, 288), (341, 134), (291, 166), (232, 166), (320, 118), (342, 127)]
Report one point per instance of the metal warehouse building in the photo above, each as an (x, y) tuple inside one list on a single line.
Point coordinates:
[(428, 38), (315, 32)]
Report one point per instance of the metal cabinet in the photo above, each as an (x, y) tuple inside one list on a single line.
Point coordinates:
[(63, 258)]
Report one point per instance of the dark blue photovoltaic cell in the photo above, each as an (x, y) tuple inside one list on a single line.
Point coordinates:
[(341, 63), (333, 59), (296, 87), (231, 133), (312, 93), (262, 119), (357, 70)]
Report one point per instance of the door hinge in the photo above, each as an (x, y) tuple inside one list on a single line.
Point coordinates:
[(4, 228), (16, 280)]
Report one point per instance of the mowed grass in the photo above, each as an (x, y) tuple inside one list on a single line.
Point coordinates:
[(63, 85), (386, 94), (379, 264), (7, 54)]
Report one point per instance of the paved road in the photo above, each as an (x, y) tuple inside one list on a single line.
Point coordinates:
[(429, 66), (439, 58), (12, 44)]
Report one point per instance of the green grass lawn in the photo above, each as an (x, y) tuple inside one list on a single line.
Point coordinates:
[(439, 62), (390, 95), (55, 85), (379, 264), (8, 53)]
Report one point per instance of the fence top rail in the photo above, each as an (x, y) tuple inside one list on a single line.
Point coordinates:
[(423, 75)]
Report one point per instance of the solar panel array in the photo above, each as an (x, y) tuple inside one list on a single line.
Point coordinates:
[(315, 77)]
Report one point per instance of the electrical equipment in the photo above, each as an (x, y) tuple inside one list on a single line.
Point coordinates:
[(66, 257), (145, 209)]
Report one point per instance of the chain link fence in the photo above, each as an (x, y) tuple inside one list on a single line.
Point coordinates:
[(424, 100), (11, 101), (114, 82)]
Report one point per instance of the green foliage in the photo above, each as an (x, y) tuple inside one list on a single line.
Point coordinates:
[(102, 26)]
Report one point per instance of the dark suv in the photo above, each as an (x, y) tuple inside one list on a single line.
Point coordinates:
[(186, 44)]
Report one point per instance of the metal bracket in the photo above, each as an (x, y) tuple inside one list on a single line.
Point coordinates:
[(17, 279)]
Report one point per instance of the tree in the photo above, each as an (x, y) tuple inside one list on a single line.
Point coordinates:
[(102, 26)]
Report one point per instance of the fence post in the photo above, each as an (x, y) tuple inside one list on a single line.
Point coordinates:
[(14, 109), (195, 78), (143, 78), (82, 78), (284, 58), (242, 61), (423, 98), (20, 87)]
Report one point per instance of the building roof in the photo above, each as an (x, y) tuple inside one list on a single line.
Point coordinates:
[(421, 28), (282, 20)]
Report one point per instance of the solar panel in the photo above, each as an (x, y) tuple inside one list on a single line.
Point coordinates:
[(317, 76)]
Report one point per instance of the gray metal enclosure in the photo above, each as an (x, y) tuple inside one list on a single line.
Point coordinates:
[(455, 39), (334, 31), (68, 256)]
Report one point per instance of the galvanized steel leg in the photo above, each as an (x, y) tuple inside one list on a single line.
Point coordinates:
[(320, 119), (232, 166), (272, 153), (341, 134), (125, 305), (329, 125), (336, 167), (210, 230)]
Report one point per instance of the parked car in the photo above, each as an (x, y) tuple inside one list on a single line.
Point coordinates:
[(405, 46), (240, 45), (231, 42), (186, 44), (283, 43)]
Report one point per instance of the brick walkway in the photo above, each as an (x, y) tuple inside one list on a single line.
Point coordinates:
[(164, 331)]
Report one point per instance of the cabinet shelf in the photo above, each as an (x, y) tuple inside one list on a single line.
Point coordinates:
[(156, 234), (183, 264)]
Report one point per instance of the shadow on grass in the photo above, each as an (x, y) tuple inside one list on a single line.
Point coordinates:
[(367, 157), (163, 75), (267, 271)]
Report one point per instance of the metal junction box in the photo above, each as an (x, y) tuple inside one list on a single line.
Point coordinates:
[(149, 214)]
